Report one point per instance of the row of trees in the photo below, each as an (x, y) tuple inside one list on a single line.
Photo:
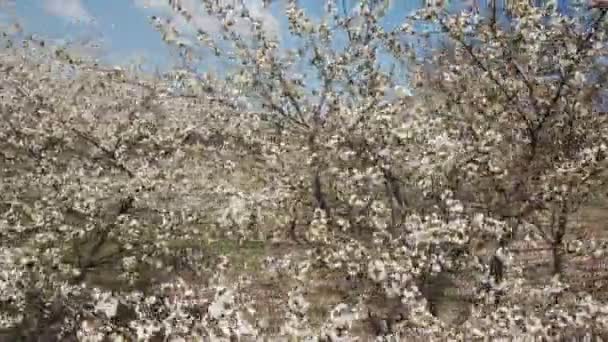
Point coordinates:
[(113, 184)]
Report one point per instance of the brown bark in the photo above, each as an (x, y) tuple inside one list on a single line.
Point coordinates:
[(558, 238)]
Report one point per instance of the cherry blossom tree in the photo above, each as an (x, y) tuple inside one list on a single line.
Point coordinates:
[(402, 193)]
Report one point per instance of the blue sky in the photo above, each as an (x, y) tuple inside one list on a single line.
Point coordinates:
[(120, 30), (121, 27)]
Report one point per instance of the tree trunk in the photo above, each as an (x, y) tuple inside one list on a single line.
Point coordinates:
[(558, 239)]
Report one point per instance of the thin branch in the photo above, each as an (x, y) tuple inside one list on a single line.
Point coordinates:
[(527, 82), (478, 62), (110, 155), (565, 77)]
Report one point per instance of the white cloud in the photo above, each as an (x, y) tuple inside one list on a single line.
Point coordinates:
[(72, 10), (155, 4), (202, 20)]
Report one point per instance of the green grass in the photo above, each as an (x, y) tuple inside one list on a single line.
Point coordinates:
[(244, 256)]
